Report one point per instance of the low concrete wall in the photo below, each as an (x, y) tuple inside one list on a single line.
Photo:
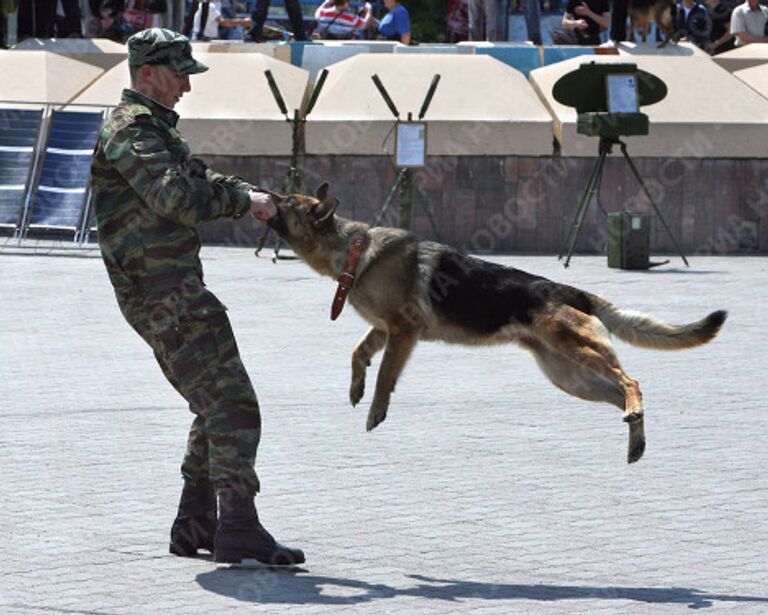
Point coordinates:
[(526, 204)]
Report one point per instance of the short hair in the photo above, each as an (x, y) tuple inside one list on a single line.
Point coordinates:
[(134, 72), (338, 3)]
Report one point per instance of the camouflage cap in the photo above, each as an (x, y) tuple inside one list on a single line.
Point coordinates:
[(161, 46)]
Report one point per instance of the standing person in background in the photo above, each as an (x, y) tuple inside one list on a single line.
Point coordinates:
[(259, 16), (693, 22), (212, 12), (396, 24), (618, 20), (533, 21), (189, 18), (37, 18), (748, 23), (482, 20), (68, 20), (720, 38)]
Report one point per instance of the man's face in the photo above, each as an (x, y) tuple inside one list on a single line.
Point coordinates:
[(164, 84)]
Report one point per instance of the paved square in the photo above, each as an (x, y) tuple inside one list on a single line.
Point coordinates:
[(487, 490)]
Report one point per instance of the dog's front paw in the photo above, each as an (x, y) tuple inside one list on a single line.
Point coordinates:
[(375, 416), (356, 391)]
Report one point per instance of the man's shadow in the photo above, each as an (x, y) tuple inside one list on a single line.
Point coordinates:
[(292, 586)]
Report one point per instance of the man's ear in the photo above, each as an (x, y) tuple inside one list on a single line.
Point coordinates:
[(323, 212), (322, 191)]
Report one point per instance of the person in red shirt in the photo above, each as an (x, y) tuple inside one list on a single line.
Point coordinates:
[(336, 20)]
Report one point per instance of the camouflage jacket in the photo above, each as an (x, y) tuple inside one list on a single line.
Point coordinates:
[(148, 194)]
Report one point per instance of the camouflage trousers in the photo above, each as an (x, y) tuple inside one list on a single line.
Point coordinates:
[(200, 358)]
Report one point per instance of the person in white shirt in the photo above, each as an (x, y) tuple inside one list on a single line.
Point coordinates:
[(211, 11), (748, 23)]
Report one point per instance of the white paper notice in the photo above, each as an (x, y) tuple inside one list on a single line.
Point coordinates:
[(622, 93), (411, 144)]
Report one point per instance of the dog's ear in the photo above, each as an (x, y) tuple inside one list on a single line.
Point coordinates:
[(322, 191), (323, 212)]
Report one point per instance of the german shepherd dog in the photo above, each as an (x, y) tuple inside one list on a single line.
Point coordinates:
[(410, 290), (663, 12)]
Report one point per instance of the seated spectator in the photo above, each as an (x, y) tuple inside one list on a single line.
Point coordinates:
[(209, 17), (396, 25), (586, 18), (236, 33), (106, 20), (748, 23), (693, 23), (335, 20), (457, 20), (110, 21), (720, 36), (137, 16)]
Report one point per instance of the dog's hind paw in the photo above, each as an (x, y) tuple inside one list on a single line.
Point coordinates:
[(636, 445), (635, 450), (374, 418), (356, 392)]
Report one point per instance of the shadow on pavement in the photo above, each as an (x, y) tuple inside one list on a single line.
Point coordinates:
[(265, 586)]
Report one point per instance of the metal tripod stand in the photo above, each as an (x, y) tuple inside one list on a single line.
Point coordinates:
[(403, 183), (605, 148), (292, 183)]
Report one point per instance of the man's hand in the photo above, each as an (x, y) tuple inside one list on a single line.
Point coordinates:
[(262, 206)]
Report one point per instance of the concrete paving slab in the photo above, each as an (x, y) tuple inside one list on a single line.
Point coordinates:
[(485, 491)]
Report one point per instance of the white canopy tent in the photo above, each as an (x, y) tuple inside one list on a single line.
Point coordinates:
[(100, 52), (481, 107), (230, 110), (42, 76)]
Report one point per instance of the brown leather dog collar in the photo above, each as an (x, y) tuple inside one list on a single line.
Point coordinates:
[(347, 277)]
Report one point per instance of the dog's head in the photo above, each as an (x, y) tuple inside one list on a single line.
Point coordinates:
[(303, 221)]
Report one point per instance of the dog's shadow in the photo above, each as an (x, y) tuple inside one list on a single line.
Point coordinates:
[(292, 586)]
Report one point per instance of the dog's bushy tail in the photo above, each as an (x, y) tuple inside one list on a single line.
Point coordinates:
[(645, 331)]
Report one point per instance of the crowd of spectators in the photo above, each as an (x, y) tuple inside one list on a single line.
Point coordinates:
[(713, 25)]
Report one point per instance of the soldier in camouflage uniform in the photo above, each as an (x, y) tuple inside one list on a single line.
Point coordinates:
[(149, 194)]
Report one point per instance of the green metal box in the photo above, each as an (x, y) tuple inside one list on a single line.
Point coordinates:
[(629, 240), (612, 125)]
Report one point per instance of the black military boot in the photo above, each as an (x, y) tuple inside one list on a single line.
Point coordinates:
[(240, 536), (195, 524)]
